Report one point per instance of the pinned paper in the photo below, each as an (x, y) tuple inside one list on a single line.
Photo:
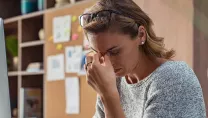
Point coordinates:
[(72, 95), (50, 38), (75, 36), (74, 18), (79, 29), (59, 46), (55, 67), (73, 58), (62, 29)]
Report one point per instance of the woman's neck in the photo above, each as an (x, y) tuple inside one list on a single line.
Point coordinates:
[(145, 67)]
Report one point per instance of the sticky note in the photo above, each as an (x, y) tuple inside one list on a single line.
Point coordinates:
[(74, 18), (79, 29), (59, 46), (75, 36), (50, 38)]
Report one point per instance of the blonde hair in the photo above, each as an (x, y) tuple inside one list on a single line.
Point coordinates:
[(127, 23)]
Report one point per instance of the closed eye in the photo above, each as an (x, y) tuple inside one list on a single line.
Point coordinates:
[(114, 53)]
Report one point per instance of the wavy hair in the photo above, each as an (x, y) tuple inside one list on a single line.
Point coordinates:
[(132, 17)]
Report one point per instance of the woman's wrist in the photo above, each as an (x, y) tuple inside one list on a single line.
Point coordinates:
[(111, 94)]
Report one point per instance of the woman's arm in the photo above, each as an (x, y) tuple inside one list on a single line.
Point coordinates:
[(112, 106), (99, 108)]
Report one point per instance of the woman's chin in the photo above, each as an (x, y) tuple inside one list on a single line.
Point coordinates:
[(119, 73)]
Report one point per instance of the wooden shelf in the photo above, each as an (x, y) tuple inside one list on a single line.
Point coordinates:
[(32, 43), (11, 20), (24, 73), (26, 16), (31, 28), (13, 73), (33, 14), (30, 55), (39, 13), (11, 28), (34, 81), (30, 49)]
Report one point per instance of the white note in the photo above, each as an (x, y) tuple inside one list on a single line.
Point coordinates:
[(55, 67), (73, 59), (62, 29), (72, 95)]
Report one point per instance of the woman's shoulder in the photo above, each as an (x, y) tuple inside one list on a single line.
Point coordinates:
[(176, 73), (175, 87), (174, 69)]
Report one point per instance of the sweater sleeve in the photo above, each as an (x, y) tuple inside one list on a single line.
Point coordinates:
[(178, 96), (99, 113)]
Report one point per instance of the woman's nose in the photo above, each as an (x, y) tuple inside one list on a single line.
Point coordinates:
[(113, 60)]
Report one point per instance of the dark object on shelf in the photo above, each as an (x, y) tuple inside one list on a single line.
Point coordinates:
[(12, 45), (61, 3), (35, 67), (31, 105), (15, 113), (40, 4), (28, 6), (12, 49), (13, 106)]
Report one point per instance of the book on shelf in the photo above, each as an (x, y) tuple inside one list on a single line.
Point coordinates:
[(30, 103)]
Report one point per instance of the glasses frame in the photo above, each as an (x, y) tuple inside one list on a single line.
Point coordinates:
[(94, 15)]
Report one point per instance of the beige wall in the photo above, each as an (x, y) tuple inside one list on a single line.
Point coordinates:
[(173, 20), (184, 25)]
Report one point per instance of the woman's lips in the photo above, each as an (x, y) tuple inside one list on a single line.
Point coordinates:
[(116, 70)]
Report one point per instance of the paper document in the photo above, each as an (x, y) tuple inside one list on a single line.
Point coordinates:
[(55, 68), (62, 29), (72, 95), (73, 58)]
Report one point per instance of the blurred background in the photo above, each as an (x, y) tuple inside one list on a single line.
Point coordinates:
[(46, 47)]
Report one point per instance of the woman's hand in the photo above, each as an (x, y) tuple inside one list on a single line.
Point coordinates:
[(100, 75)]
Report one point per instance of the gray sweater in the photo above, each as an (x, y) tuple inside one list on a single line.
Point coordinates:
[(171, 91)]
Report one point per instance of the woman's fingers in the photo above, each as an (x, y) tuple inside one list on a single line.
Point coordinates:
[(96, 59), (88, 61), (91, 84), (90, 81), (107, 60)]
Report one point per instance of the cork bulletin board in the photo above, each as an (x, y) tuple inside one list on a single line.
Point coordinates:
[(54, 97)]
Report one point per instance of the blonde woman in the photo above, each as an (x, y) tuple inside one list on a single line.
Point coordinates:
[(131, 70)]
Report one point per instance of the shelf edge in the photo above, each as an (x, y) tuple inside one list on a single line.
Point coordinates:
[(24, 73), (32, 43)]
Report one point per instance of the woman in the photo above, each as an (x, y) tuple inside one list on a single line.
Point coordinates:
[(131, 70)]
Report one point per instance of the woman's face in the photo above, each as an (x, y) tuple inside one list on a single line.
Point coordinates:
[(121, 49)]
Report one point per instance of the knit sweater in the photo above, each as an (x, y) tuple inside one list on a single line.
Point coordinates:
[(170, 91)]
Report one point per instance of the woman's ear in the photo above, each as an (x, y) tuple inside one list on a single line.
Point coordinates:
[(142, 35)]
